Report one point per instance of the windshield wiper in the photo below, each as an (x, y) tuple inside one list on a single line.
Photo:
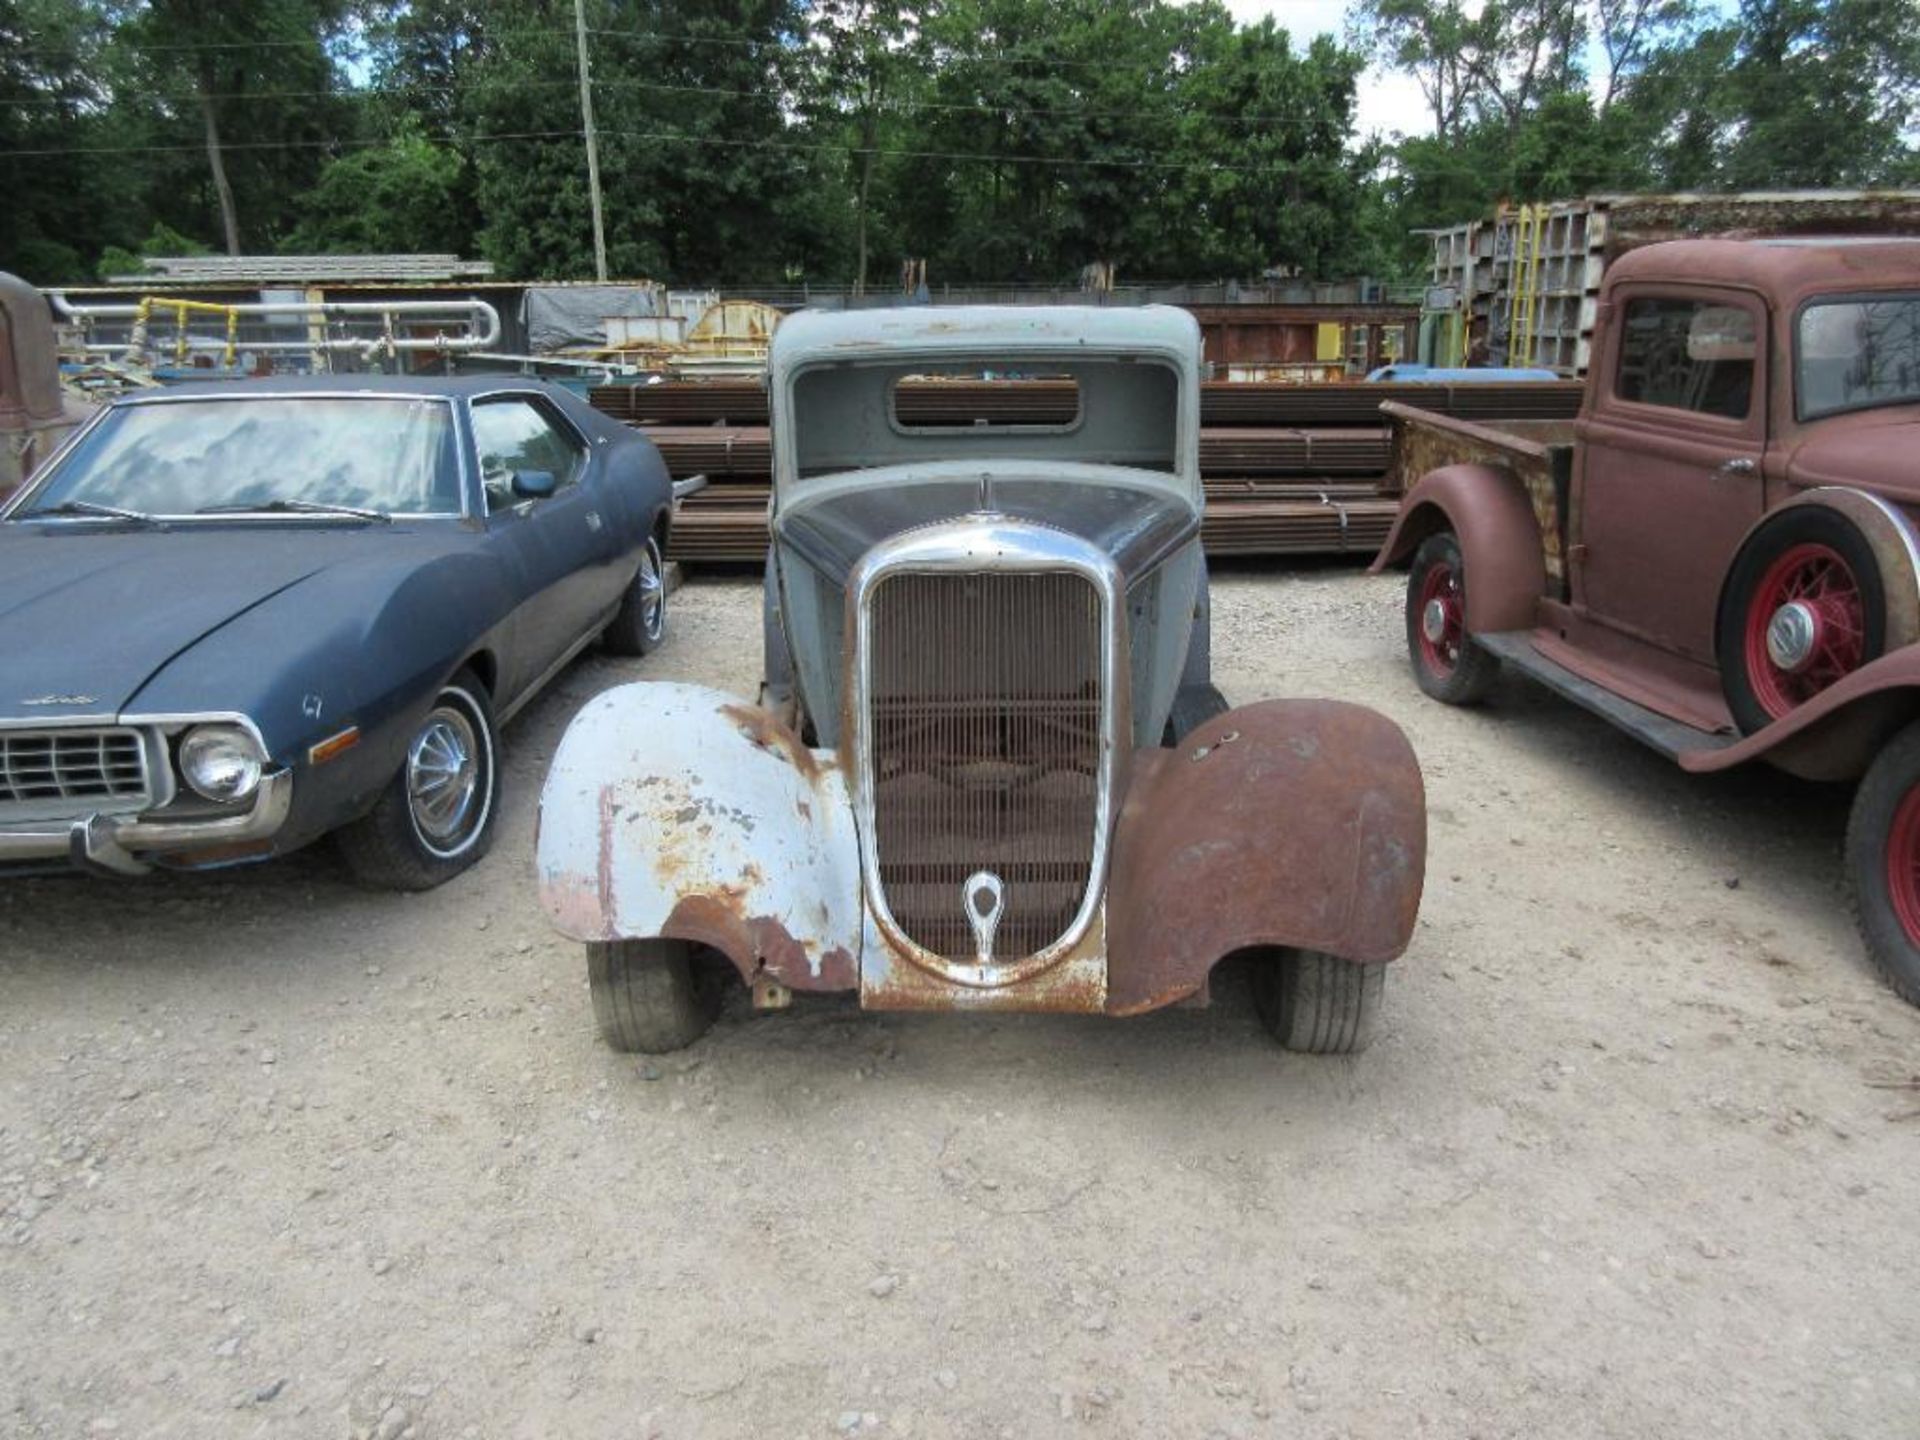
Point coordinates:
[(90, 510), (295, 507)]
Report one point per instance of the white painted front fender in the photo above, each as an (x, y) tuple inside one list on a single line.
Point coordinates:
[(679, 811)]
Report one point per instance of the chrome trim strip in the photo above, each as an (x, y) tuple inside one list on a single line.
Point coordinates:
[(978, 543)]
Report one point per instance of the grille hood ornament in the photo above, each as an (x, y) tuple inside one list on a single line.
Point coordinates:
[(985, 900)]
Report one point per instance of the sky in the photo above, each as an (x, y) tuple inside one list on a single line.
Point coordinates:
[(1389, 102)]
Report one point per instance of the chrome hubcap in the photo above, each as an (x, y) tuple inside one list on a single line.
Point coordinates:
[(653, 593), (1792, 634), (443, 776), (1433, 621)]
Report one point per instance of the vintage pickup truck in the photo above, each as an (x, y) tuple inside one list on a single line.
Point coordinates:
[(990, 770), (1719, 554)]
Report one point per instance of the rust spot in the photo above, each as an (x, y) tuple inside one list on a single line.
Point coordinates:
[(756, 943), (770, 735)]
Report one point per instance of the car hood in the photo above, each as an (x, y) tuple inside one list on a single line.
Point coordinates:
[(1873, 450), (89, 616)]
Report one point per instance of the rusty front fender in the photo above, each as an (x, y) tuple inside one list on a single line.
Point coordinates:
[(1499, 541), (680, 812), (1296, 823), (1835, 735)]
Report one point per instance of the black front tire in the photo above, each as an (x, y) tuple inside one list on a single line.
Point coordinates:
[(653, 996), (640, 627), (413, 839), (1756, 693), (1883, 863), (1319, 1004), (1451, 667)]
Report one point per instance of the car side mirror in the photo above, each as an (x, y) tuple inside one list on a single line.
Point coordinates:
[(534, 484)]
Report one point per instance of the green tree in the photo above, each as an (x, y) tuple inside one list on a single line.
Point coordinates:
[(407, 195)]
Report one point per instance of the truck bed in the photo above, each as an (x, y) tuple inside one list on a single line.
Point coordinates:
[(1537, 453)]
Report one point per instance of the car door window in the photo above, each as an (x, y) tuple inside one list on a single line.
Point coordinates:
[(1695, 355), (519, 434)]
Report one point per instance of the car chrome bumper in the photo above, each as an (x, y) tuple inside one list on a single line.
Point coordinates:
[(120, 843)]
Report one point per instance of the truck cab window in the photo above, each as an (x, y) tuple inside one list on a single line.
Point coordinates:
[(1687, 355)]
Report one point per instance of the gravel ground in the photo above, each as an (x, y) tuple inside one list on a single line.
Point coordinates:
[(282, 1157)]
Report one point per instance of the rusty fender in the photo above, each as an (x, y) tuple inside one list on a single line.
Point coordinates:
[(1289, 822), (681, 812), (1499, 537)]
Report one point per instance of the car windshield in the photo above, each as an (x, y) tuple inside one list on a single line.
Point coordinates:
[(1859, 352), (287, 454)]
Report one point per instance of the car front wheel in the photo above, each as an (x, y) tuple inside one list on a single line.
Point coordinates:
[(652, 996), (1883, 863), (1319, 1004), (1448, 664), (436, 817)]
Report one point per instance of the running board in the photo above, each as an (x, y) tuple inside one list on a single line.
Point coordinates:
[(1672, 738)]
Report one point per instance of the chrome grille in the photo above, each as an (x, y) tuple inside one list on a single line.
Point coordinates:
[(70, 772), (984, 706)]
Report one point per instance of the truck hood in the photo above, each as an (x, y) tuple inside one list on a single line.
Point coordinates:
[(1878, 451), (88, 618)]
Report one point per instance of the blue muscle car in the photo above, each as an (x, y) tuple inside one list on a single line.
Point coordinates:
[(236, 617)]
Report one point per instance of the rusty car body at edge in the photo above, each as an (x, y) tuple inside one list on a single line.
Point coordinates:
[(989, 770), (1719, 554)]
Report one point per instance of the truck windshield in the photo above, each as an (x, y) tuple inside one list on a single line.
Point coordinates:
[(307, 454), (1857, 353)]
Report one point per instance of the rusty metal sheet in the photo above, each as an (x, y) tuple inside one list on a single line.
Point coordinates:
[(1075, 983), (680, 811), (1283, 823)]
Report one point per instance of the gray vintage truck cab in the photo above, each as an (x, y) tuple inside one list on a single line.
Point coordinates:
[(989, 769)]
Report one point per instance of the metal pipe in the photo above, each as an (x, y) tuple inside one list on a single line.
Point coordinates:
[(473, 312)]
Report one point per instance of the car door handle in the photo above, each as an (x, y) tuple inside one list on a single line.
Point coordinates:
[(1738, 465)]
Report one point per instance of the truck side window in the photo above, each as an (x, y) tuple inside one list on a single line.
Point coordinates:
[(1687, 354)]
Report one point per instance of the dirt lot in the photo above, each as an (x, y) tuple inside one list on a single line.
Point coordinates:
[(281, 1157)]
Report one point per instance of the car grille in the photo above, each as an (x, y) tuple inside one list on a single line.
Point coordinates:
[(984, 711), (62, 773)]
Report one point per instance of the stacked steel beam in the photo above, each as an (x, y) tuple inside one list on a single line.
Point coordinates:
[(1288, 469)]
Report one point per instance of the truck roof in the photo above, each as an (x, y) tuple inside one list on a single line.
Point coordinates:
[(1785, 267), (984, 332)]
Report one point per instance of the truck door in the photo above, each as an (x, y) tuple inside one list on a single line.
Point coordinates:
[(1669, 464)]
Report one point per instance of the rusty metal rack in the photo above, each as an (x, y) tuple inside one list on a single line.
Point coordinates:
[(1289, 469)]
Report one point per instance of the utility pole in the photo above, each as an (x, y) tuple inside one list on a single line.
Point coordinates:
[(593, 147)]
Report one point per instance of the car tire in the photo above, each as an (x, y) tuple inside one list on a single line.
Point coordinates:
[(1319, 1004), (1883, 863), (641, 624), (1448, 664), (436, 817), (1813, 560), (653, 996), (1193, 706)]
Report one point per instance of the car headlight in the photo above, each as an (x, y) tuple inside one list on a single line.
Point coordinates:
[(220, 762)]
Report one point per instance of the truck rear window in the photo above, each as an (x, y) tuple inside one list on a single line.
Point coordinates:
[(1687, 355)]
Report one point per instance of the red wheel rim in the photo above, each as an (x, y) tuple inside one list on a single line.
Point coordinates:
[(1831, 615), (1440, 587), (1903, 864)]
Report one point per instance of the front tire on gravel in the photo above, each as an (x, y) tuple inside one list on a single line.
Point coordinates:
[(436, 817), (1883, 863), (1447, 663), (1804, 608), (641, 623), (652, 996), (1319, 1004)]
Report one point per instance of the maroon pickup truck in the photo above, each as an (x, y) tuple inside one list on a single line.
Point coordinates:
[(1719, 554)]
